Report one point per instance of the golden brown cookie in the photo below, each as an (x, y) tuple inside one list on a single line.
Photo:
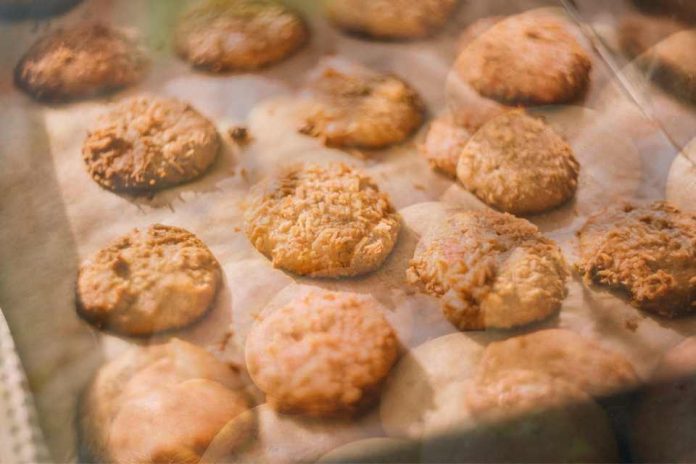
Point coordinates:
[(526, 59), (163, 403), (352, 106), (444, 143), (665, 414), (322, 221), (563, 355), (224, 35), (648, 252), (517, 163), (148, 281), (80, 61), (147, 143), (391, 19), (490, 270), (323, 354), (672, 63), (637, 33)]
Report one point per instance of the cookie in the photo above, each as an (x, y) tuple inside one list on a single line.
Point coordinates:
[(17, 10), (323, 354), (443, 144), (672, 64), (82, 61), (529, 59), (425, 394), (517, 163), (163, 403), (391, 19), (489, 270), (475, 29), (636, 33), (226, 35), (665, 413), (146, 144), (648, 252), (148, 281), (352, 106), (563, 355), (322, 221), (681, 181)]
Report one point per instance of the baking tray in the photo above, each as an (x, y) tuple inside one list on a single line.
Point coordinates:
[(54, 215)]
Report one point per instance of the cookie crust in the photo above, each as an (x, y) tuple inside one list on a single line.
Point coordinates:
[(322, 221), (147, 144), (490, 270), (528, 59), (148, 281), (323, 354), (352, 106), (647, 251), (226, 35), (82, 61), (518, 164)]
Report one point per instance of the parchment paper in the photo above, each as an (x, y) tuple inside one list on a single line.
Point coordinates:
[(54, 215)]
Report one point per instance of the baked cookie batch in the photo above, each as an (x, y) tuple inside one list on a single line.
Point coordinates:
[(333, 355)]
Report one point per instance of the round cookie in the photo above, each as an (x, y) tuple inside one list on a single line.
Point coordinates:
[(637, 33), (443, 143), (391, 19), (323, 354), (518, 164), (563, 355), (24, 9), (352, 106), (163, 403), (320, 221), (525, 416), (489, 270), (148, 281), (673, 64), (146, 144), (681, 181), (82, 61), (649, 252), (224, 35), (526, 59), (425, 393), (665, 414)]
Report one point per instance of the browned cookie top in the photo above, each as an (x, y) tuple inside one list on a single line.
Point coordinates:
[(80, 61), (222, 35), (526, 59), (148, 281), (647, 251), (145, 144)]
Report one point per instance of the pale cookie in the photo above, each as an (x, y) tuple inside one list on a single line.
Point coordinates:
[(672, 63), (636, 33), (148, 281), (681, 181), (517, 163), (225, 35), (323, 354), (444, 143), (665, 414), (322, 221), (649, 252), (563, 355), (425, 394), (163, 403), (489, 270), (146, 144), (81, 61), (526, 59), (391, 19), (351, 106)]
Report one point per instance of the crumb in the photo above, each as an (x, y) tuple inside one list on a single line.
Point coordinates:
[(240, 134), (632, 324), (418, 186)]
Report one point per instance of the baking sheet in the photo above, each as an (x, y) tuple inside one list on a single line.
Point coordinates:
[(54, 215)]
